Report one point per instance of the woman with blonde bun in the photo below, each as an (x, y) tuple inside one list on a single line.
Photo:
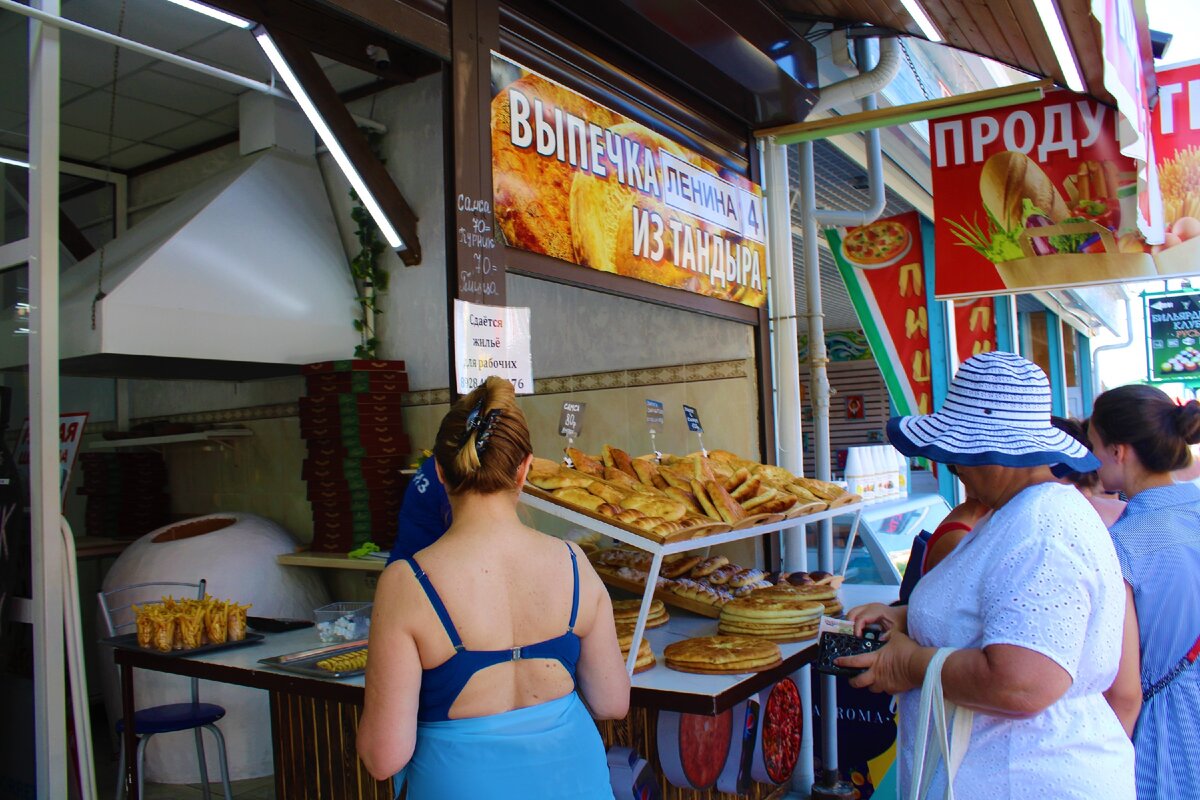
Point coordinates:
[(1141, 436), (486, 645)]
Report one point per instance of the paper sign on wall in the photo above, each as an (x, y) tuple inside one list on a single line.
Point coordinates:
[(492, 340)]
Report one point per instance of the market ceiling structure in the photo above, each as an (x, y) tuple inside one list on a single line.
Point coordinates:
[(1008, 31), (718, 51)]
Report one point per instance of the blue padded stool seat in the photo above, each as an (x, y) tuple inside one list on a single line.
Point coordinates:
[(173, 717)]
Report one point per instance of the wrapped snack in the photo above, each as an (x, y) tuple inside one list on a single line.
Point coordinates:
[(236, 621), (145, 625), (164, 630), (190, 623), (216, 621)]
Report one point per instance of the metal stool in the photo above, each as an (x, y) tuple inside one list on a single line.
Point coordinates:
[(173, 717)]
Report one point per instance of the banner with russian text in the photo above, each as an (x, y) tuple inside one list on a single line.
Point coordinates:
[(883, 267), (1176, 126), (1173, 336), (1034, 196), (579, 182), (1126, 52), (974, 326)]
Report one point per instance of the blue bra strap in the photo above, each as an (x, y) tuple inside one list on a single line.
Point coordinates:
[(436, 602), (575, 591)]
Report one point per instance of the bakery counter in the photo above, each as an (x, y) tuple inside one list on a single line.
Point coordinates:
[(313, 720), (664, 689)]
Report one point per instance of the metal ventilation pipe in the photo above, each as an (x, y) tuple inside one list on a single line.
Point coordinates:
[(864, 86)]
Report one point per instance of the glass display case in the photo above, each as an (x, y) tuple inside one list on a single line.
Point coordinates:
[(879, 553)]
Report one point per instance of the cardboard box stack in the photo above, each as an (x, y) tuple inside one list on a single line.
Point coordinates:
[(126, 493), (357, 451)]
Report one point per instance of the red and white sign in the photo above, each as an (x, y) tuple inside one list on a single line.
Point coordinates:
[(1176, 128), (1124, 48), (1034, 196), (70, 433)]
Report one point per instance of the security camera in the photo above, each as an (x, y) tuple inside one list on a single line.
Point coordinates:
[(379, 56)]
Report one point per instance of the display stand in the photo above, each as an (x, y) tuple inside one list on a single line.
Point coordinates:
[(658, 550)]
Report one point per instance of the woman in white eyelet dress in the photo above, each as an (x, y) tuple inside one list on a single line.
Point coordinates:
[(1031, 600), (1039, 574)]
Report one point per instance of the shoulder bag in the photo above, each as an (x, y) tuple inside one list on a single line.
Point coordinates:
[(950, 735)]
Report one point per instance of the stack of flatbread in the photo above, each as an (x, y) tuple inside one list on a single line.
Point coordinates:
[(626, 612), (778, 616), (823, 593), (722, 654), (645, 655)]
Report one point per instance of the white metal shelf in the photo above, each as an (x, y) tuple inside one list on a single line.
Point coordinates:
[(217, 435), (658, 550)]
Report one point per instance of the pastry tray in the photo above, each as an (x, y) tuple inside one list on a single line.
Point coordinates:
[(304, 662), (668, 598), (692, 532), (128, 641)]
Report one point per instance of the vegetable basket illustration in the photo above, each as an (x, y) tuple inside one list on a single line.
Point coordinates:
[(1056, 269)]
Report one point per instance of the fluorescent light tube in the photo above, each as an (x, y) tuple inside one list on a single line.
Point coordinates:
[(917, 12), (1053, 24), (214, 13), (331, 142), (12, 162)]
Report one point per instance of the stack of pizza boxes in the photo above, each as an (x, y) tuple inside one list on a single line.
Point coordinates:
[(126, 493), (357, 451)]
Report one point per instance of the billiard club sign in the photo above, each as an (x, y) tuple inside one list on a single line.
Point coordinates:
[(1173, 336)]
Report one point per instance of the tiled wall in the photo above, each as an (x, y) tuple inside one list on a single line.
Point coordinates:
[(260, 474)]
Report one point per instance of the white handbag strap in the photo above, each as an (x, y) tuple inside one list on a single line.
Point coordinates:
[(933, 709)]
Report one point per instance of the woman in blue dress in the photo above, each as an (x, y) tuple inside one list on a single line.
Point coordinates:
[(486, 645), (1141, 436)]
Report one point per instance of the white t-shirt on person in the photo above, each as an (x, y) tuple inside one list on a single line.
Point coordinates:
[(1040, 573)]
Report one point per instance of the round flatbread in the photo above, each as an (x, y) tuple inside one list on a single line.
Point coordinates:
[(722, 654), (763, 606), (809, 591), (625, 614)]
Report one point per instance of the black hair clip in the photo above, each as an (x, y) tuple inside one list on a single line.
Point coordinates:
[(473, 423), (485, 430)]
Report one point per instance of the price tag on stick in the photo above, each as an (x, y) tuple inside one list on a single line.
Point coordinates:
[(570, 423), (693, 423), (654, 422)]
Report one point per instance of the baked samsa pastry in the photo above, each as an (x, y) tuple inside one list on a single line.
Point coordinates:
[(578, 496), (653, 506)]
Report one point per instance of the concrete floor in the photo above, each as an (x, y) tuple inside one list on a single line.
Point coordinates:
[(106, 775)]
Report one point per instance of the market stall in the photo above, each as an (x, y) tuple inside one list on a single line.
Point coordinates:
[(313, 719)]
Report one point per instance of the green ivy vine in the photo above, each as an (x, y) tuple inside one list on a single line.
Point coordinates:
[(370, 277)]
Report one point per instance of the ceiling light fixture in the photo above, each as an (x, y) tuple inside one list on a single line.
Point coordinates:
[(327, 137), (12, 162), (214, 13), (915, 10), (1057, 33)]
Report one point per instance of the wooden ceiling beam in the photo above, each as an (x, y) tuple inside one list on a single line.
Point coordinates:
[(341, 123), (333, 34)]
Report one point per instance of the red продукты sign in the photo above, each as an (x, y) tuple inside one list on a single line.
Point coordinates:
[(1034, 196), (1176, 126)]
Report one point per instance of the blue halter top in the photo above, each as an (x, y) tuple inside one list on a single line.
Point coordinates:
[(441, 685)]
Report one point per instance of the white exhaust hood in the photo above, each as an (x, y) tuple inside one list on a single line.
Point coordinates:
[(242, 276)]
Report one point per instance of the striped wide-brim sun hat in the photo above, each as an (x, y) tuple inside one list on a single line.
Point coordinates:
[(997, 412)]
